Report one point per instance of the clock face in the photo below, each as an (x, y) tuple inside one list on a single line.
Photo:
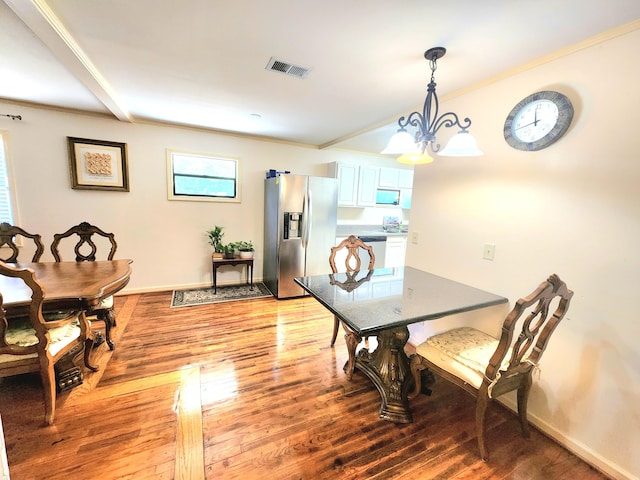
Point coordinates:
[(538, 121), (535, 120)]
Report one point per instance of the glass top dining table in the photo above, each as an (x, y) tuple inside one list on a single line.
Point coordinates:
[(382, 302), (373, 300)]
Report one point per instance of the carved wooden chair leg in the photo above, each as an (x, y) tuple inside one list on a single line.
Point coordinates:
[(336, 326), (416, 368), (88, 345), (523, 400), (352, 339), (48, 376), (481, 409), (108, 317)]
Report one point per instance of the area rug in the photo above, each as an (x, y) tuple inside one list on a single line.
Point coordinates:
[(227, 293)]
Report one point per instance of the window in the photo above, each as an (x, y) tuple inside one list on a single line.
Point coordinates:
[(202, 177), (6, 202)]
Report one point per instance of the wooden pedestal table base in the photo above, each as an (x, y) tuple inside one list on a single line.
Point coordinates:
[(388, 368)]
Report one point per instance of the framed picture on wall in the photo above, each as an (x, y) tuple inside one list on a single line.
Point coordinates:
[(98, 165)]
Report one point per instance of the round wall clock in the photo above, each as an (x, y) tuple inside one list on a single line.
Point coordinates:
[(538, 120)]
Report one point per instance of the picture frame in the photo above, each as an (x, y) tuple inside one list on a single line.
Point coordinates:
[(98, 165)]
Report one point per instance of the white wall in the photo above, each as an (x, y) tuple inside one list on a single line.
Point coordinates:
[(166, 239), (571, 209)]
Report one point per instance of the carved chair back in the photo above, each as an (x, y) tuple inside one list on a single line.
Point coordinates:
[(352, 261), (534, 318), (84, 232), (8, 234)]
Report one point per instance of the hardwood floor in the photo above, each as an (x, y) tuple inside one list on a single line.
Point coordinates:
[(247, 390)]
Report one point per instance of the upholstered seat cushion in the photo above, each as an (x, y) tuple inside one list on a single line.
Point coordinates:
[(105, 303), (21, 332), (465, 352)]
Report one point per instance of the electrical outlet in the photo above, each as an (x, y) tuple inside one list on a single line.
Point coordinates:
[(489, 251), (414, 237)]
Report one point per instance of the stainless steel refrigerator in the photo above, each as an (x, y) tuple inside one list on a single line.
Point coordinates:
[(300, 216)]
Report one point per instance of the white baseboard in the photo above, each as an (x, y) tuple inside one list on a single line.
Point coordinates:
[(577, 448)]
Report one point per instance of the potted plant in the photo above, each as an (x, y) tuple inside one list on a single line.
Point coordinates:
[(235, 248), (246, 249), (227, 251), (215, 240)]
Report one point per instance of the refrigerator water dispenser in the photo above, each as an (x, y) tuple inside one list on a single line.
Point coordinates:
[(292, 223)]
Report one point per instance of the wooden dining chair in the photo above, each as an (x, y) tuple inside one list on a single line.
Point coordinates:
[(352, 263), (32, 344), (488, 367), (8, 239), (85, 249)]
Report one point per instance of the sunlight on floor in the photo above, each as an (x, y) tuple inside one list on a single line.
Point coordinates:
[(219, 384)]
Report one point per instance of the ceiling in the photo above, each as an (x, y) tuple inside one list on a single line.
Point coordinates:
[(202, 62)]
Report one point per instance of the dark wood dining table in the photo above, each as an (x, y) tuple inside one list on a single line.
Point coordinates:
[(383, 303), (67, 285)]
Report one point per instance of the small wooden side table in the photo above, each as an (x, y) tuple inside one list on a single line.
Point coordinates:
[(219, 262)]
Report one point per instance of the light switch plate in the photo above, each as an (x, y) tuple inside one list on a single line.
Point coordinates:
[(489, 251)]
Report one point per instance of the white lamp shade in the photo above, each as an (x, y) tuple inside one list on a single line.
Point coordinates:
[(462, 144), (401, 142)]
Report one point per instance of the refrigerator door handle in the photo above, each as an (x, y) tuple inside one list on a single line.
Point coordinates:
[(307, 216)]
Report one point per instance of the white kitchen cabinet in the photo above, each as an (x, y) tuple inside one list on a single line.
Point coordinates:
[(367, 186), (356, 184), (405, 198), (395, 178), (405, 178), (347, 176), (388, 177), (395, 251)]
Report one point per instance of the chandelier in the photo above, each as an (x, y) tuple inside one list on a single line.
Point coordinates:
[(413, 149)]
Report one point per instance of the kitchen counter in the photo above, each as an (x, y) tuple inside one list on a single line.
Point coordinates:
[(366, 230)]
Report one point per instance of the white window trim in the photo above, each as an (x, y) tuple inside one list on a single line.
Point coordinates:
[(187, 198), (6, 144)]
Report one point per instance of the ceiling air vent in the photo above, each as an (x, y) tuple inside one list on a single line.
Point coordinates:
[(277, 65)]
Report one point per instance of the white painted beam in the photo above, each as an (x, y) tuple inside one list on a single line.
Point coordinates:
[(43, 22)]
